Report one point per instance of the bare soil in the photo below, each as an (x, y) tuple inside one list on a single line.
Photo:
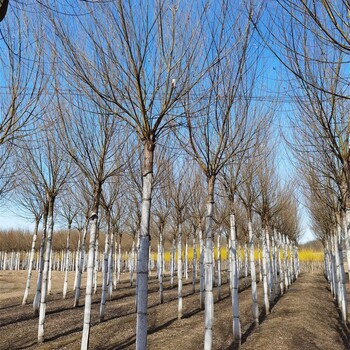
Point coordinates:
[(304, 318)]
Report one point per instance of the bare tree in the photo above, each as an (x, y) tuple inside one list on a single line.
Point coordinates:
[(137, 64), (180, 195), (161, 214), (68, 210), (197, 215), (30, 198), (49, 169), (90, 138), (214, 133)]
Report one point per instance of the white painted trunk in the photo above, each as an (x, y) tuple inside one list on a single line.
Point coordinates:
[(76, 264), (36, 302), (194, 265), (65, 284), (245, 264), (280, 255), (334, 267), (81, 265), (265, 273), (285, 263), (44, 284), (179, 271), (343, 304), (161, 258), (110, 266), (30, 263), (143, 253), (132, 260), (269, 264), (346, 228), (201, 269), (104, 273), (234, 282), (219, 264), (49, 283), (208, 279), (274, 264), (172, 263), (104, 286), (96, 267), (115, 263), (259, 262), (119, 258), (186, 259), (229, 266), (89, 283), (291, 265), (255, 305)]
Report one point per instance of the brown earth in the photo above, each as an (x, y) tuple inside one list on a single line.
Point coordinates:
[(304, 318)]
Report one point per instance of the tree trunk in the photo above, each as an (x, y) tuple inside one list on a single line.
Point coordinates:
[(105, 272), (81, 264), (96, 267), (280, 255), (77, 253), (115, 261), (65, 284), (186, 259), (44, 284), (234, 279), (161, 258), (253, 274), (90, 272), (259, 261), (201, 269), (208, 267), (131, 262), (119, 256), (179, 270), (269, 264), (110, 265), (104, 284), (36, 302), (343, 304), (265, 273), (194, 265), (219, 264), (49, 281), (346, 223), (172, 263), (143, 254), (334, 266), (30, 263), (274, 264)]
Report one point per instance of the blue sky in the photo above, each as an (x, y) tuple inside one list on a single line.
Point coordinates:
[(274, 82)]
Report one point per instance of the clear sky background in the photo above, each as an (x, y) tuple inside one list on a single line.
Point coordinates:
[(275, 87)]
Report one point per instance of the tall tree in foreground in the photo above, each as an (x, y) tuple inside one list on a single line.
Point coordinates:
[(214, 133), (137, 65)]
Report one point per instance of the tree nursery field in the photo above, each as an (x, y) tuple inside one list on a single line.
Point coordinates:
[(169, 156), (305, 317)]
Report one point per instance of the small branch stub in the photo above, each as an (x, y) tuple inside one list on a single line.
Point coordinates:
[(93, 216)]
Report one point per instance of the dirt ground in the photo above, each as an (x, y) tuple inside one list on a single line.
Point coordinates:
[(304, 318)]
